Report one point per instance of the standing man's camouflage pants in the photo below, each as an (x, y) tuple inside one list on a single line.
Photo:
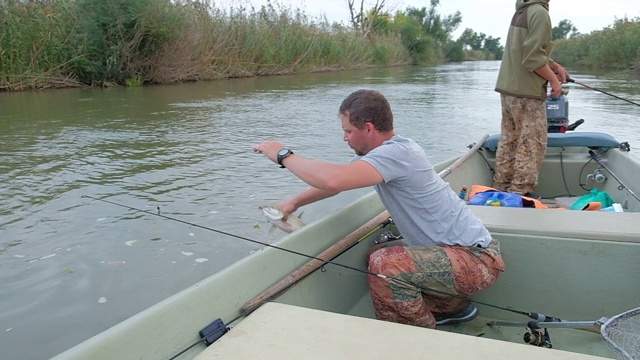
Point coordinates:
[(457, 270), (522, 146)]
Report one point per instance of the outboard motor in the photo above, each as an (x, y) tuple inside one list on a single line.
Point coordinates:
[(557, 114)]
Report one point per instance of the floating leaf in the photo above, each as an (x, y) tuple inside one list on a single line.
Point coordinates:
[(69, 270)]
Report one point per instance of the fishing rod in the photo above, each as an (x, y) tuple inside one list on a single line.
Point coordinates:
[(218, 328), (604, 92), (389, 278), (622, 186)]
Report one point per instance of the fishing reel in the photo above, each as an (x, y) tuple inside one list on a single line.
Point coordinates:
[(536, 336), (387, 236), (597, 176)]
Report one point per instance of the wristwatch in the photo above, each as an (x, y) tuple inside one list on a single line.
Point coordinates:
[(282, 154)]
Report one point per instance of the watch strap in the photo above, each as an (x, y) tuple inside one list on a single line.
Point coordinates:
[(281, 157)]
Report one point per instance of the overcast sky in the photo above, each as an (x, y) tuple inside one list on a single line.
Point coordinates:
[(490, 17)]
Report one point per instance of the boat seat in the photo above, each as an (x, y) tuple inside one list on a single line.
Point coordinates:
[(593, 140), (285, 332), (560, 223)]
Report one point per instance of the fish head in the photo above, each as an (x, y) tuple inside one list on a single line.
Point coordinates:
[(275, 217), (272, 214)]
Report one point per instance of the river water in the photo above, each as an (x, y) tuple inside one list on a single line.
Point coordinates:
[(71, 267)]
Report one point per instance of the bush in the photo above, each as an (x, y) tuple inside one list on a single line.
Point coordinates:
[(614, 47), (115, 33), (422, 48)]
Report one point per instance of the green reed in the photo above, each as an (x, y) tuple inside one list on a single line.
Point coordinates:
[(36, 44), (58, 43)]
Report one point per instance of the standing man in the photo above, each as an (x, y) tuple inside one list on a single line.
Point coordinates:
[(525, 70), (444, 247)]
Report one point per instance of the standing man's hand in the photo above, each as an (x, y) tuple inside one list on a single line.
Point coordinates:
[(556, 89), (560, 72), (562, 75), (548, 72)]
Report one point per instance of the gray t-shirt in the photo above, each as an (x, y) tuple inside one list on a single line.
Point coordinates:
[(422, 205)]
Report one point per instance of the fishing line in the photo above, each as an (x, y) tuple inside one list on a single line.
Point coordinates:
[(598, 90), (224, 233), (272, 297), (222, 328), (204, 339), (394, 279)]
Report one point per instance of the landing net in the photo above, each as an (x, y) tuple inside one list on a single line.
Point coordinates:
[(622, 333)]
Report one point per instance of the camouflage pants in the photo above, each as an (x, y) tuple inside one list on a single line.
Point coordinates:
[(522, 146), (457, 270)]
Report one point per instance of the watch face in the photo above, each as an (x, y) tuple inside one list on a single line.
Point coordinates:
[(283, 152)]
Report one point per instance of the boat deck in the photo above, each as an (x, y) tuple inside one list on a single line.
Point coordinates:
[(279, 331)]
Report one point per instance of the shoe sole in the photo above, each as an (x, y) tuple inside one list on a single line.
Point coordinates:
[(453, 320)]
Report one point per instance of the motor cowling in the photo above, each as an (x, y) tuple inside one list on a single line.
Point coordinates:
[(557, 114)]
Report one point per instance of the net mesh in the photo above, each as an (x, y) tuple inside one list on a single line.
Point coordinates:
[(622, 333)]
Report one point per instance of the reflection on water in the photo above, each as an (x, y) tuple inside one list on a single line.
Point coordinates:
[(67, 262)]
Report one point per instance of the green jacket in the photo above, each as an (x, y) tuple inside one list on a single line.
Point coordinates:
[(527, 48)]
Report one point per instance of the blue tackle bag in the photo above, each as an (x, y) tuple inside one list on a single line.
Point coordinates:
[(496, 198)]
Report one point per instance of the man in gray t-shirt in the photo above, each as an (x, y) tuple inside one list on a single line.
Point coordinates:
[(425, 209), (444, 248)]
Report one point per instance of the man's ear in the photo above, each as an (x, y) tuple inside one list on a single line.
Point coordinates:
[(370, 127)]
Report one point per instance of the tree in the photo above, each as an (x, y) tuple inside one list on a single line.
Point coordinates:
[(489, 45), (472, 39), (433, 24), (493, 46), (563, 30), (365, 20)]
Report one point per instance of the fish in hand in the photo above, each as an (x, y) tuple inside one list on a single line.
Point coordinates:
[(276, 217)]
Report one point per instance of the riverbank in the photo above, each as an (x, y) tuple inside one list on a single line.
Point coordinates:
[(63, 43), (84, 43)]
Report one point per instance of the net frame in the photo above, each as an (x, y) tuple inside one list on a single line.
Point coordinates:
[(622, 333)]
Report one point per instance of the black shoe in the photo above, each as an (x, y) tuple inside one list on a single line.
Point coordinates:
[(533, 195), (465, 315)]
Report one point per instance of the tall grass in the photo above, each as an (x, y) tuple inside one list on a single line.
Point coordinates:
[(51, 43), (36, 44), (213, 43), (615, 47)]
